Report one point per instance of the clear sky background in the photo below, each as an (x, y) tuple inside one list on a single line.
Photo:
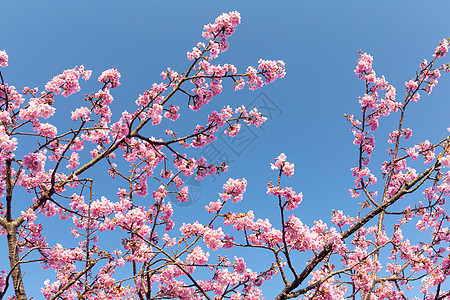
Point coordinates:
[(318, 40)]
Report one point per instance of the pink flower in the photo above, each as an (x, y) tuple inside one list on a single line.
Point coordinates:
[(172, 114), (255, 82), (239, 85), (233, 130), (67, 81), (104, 97), (255, 117), (364, 65), (110, 77), (3, 58), (82, 112), (197, 256), (36, 109), (47, 130), (442, 49), (234, 188), (411, 85), (35, 162), (272, 69), (74, 161), (408, 133), (286, 167), (183, 194), (29, 215), (214, 206), (196, 52), (239, 265), (212, 238), (445, 161), (223, 27)]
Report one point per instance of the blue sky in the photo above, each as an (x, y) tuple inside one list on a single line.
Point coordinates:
[(318, 40)]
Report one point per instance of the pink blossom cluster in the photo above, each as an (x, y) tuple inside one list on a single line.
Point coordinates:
[(197, 256), (35, 162), (184, 165), (110, 77), (183, 194), (262, 232), (364, 66), (281, 164), (154, 94), (330, 289), (223, 27), (303, 238), (253, 117), (339, 219), (234, 189), (272, 69), (233, 130), (36, 108), (441, 49), (3, 58), (172, 114), (104, 97), (211, 237), (59, 257), (15, 98), (292, 198), (68, 81), (196, 52), (82, 113), (46, 130), (254, 81), (8, 144)]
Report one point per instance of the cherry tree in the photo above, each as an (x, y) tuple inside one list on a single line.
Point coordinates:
[(153, 258)]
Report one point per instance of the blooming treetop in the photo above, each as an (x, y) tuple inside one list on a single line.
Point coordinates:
[(157, 260)]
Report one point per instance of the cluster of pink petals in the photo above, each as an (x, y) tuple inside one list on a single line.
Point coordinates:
[(442, 48), (74, 161), (104, 97), (35, 162), (364, 65), (234, 189), (58, 256), (281, 164), (233, 130), (292, 198), (197, 256), (339, 219), (183, 194), (303, 238), (3, 58), (15, 98), (223, 27), (328, 290), (68, 81), (196, 52), (211, 237), (110, 77), (155, 112), (7, 144), (186, 166), (36, 108), (81, 112), (272, 69), (254, 81), (46, 130), (411, 85), (172, 114)]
